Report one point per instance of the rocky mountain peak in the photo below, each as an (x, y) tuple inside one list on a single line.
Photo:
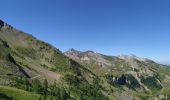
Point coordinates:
[(72, 50), (88, 57), (1, 23), (72, 53), (90, 51), (5, 25), (124, 56), (132, 57)]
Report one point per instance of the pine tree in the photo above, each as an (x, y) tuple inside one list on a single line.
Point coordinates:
[(45, 88)]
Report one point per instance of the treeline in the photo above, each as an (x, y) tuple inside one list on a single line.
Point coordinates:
[(85, 90), (77, 90), (48, 91), (124, 79)]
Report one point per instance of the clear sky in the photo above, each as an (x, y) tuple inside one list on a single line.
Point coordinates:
[(113, 27)]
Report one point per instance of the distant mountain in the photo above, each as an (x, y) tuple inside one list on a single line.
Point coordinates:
[(31, 69), (135, 73), (165, 63)]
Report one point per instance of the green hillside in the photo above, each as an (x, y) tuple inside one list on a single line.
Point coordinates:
[(31, 69), (9, 93)]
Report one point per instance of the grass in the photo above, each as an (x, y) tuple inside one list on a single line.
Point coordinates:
[(17, 94), (166, 92), (143, 95), (165, 71), (24, 50)]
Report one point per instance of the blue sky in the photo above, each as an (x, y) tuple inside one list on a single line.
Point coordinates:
[(113, 27)]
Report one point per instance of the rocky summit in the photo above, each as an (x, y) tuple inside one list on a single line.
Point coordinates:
[(31, 69)]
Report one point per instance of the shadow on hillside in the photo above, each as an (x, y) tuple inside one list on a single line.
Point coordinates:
[(4, 97)]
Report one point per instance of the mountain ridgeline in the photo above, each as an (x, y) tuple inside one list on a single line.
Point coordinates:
[(31, 69)]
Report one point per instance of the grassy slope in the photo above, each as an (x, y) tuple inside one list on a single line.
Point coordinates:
[(38, 58), (17, 94), (48, 62)]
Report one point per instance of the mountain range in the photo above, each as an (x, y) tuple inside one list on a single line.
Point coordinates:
[(31, 69)]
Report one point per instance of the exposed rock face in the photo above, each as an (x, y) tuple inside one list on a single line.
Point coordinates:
[(72, 53), (124, 96), (132, 57), (1, 23), (5, 25), (88, 57)]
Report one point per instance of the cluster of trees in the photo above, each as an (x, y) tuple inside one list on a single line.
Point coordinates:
[(152, 83), (50, 91), (116, 80), (91, 91), (78, 87), (132, 82), (84, 90), (127, 80)]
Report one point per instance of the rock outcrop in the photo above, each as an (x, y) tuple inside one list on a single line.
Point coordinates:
[(5, 25)]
